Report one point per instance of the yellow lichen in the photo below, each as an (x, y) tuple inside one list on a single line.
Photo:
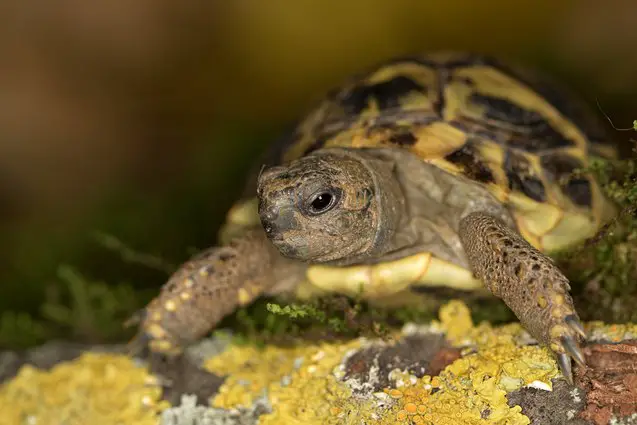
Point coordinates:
[(472, 389), (302, 382), (455, 319), (250, 371), (614, 332), (93, 389)]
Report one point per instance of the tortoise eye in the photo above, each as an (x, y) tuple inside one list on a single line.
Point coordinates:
[(321, 202)]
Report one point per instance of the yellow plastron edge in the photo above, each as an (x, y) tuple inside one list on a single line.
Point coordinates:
[(390, 278)]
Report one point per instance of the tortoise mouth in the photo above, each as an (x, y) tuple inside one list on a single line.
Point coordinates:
[(290, 244), (286, 249)]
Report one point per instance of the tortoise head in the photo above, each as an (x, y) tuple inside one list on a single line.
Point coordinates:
[(335, 205)]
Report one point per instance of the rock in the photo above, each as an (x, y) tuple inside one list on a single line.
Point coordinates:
[(449, 371), (562, 406), (48, 355), (611, 381)]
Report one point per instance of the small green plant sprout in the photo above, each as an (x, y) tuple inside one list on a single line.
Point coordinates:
[(309, 312)]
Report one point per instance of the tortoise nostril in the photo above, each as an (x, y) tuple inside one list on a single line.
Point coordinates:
[(271, 214), (276, 220), (269, 217)]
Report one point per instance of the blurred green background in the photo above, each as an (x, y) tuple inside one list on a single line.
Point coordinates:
[(134, 122)]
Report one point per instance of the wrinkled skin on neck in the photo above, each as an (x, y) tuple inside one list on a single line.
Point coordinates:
[(337, 206)]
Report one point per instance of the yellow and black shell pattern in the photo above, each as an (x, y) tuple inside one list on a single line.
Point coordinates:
[(520, 136)]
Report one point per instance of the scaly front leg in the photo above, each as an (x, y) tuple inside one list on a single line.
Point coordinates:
[(205, 289), (528, 282)]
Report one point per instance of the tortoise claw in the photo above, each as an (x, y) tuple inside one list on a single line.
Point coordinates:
[(572, 349), (564, 363), (573, 322)]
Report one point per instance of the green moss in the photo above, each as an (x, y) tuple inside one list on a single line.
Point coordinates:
[(272, 320), (91, 310), (339, 317), (79, 308), (20, 330), (311, 312), (603, 269)]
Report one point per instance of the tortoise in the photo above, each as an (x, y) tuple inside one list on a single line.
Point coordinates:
[(446, 169)]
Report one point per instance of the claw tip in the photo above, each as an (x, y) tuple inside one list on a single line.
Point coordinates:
[(564, 363)]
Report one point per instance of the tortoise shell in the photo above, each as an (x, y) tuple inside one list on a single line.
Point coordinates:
[(516, 133)]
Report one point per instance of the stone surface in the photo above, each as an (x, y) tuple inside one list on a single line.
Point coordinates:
[(447, 372), (610, 380), (417, 354), (558, 407), (48, 355)]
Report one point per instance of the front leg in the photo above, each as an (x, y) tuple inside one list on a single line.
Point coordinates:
[(206, 289), (528, 282)]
